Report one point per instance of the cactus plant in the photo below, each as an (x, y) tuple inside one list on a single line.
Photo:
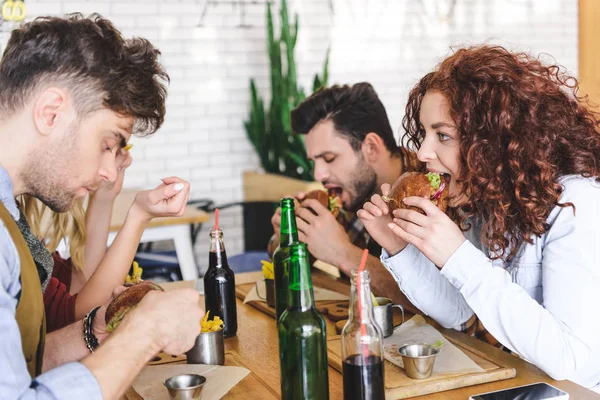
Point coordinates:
[(280, 150)]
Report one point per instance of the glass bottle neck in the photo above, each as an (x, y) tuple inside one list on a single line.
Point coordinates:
[(360, 298), (218, 256), (288, 232), (301, 290)]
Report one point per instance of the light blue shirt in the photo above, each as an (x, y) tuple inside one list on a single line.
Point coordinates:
[(543, 304), (69, 381)]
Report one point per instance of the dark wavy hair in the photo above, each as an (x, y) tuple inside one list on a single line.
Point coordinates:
[(522, 125), (355, 110), (91, 58)]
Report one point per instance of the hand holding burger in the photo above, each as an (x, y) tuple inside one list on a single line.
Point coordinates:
[(318, 227), (126, 301), (428, 229), (328, 199), (389, 211)]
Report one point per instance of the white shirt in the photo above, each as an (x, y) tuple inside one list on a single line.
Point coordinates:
[(544, 304)]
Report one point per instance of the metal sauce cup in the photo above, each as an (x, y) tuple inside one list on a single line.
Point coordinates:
[(208, 349), (185, 387), (418, 359), (384, 316)]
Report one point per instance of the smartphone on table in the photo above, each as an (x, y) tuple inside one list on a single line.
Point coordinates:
[(534, 391)]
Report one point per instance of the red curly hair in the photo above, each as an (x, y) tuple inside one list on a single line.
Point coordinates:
[(521, 126)]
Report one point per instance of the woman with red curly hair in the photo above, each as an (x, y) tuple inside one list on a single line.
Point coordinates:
[(518, 248)]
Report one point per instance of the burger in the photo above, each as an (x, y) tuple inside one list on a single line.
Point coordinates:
[(329, 199), (432, 185), (126, 301)]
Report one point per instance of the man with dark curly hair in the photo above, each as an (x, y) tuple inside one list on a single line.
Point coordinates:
[(72, 92), (515, 262)]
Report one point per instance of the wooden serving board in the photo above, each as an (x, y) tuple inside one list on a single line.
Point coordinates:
[(164, 358), (251, 387), (334, 311), (241, 291), (400, 386), (396, 315)]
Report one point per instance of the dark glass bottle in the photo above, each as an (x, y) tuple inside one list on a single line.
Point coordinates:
[(362, 345), (288, 235), (219, 285), (302, 336)]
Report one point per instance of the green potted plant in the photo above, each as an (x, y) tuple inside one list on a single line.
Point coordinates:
[(280, 150)]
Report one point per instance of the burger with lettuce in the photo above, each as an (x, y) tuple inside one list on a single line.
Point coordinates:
[(329, 200), (432, 185)]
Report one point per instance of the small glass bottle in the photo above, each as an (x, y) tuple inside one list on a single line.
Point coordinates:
[(362, 345), (219, 285)]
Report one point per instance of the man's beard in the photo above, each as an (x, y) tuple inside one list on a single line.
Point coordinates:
[(51, 195), (363, 185), (49, 171)]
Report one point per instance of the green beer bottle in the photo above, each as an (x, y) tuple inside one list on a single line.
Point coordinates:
[(302, 336), (288, 235)]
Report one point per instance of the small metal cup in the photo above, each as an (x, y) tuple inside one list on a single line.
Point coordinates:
[(270, 288), (384, 316), (185, 387), (418, 360), (208, 349)]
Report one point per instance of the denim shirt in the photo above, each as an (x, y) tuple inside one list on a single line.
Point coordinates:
[(68, 381), (542, 304)]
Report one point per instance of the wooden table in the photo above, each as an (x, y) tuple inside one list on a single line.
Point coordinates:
[(163, 228), (257, 344)]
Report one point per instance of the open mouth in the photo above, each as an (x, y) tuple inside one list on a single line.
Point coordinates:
[(334, 191), (444, 175)]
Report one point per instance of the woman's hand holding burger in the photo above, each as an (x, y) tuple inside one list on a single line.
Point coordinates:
[(376, 216), (417, 217), (433, 233)]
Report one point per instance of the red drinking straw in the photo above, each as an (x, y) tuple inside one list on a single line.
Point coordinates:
[(363, 328), (216, 219)]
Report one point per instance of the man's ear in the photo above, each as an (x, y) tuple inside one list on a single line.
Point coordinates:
[(48, 109), (372, 147)]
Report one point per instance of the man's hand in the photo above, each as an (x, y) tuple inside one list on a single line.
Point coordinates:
[(276, 222), (167, 321), (326, 238), (172, 318), (276, 218)]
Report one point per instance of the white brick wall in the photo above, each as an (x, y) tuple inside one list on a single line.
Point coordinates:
[(389, 43)]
